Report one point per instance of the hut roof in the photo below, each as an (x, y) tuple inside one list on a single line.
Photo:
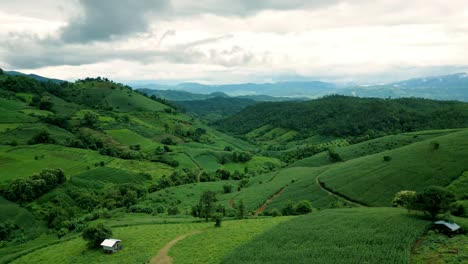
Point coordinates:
[(451, 226), (109, 242)]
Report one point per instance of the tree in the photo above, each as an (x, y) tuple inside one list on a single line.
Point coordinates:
[(303, 207), (404, 199), (96, 234), (241, 209), (207, 200), (334, 156), (42, 136), (434, 200), (90, 120), (227, 188), (1, 71), (217, 218)]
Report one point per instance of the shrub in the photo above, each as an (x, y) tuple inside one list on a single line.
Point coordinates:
[(387, 158), (275, 212), (96, 234), (217, 218), (227, 188), (303, 207), (333, 156)]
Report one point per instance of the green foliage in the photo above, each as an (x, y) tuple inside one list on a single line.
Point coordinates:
[(95, 234), (434, 200), (373, 235), (303, 207), (334, 156), (404, 199), (26, 190), (217, 218), (206, 204), (227, 188), (42, 137), (343, 116)]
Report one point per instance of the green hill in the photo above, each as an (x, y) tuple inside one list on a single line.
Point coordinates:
[(343, 116)]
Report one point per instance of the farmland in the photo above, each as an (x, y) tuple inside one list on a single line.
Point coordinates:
[(376, 235)]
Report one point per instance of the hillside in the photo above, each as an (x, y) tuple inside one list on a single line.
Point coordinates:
[(215, 108), (343, 116)]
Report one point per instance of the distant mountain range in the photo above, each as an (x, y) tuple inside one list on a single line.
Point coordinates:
[(280, 89), (178, 95), (447, 87)]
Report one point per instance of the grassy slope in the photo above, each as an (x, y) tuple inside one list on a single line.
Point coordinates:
[(373, 181), (363, 235), (372, 147), (213, 244), (144, 241)]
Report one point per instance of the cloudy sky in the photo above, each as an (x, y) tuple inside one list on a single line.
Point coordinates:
[(225, 41)]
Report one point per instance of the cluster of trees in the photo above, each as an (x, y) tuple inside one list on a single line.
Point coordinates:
[(95, 234), (344, 116), (301, 207), (301, 153), (237, 157), (432, 200), (42, 137), (26, 190)]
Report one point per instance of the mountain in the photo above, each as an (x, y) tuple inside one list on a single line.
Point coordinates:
[(33, 76), (179, 95), (447, 87), (280, 89)]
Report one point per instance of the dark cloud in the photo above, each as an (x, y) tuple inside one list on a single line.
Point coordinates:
[(104, 19)]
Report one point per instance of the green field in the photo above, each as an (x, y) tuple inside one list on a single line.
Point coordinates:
[(373, 181), (213, 244), (363, 235), (140, 243)]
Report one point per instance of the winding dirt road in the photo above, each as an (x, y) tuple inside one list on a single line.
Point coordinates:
[(163, 257)]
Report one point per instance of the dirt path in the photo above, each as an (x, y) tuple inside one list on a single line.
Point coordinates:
[(263, 207), (337, 195), (200, 169), (163, 257), (231, 202)]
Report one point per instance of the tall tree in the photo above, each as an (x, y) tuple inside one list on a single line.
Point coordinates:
[(206, 204), (434, 200)]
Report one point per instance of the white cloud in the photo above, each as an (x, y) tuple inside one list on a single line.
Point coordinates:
[(218, 41)]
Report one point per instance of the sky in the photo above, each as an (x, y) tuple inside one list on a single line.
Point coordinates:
[(225, 41)]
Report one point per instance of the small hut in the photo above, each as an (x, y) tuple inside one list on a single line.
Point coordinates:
[(111, 245), (446, 227)]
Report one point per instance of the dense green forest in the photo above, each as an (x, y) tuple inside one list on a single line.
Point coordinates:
[(343, 116), (215, 108)]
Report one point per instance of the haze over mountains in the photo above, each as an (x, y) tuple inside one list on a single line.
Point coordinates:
[(447, 87)]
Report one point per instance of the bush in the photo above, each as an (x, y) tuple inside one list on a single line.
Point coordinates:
[(303, 207), (333, 156), (217, 218), (174, 210), (96, 234), (275, 212), (387, 158), (227, 188)]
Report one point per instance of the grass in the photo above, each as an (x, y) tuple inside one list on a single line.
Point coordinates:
[(111, 175), (358, 235), (140, 244), (372, 181), (213, 244), (438, 248), (459, 187), (21, 162), (129, 137), (371, 147)]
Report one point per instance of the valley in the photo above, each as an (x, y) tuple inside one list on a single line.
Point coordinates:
[(290, 181)]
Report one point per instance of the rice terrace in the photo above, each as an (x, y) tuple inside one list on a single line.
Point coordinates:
[(172, 132)]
